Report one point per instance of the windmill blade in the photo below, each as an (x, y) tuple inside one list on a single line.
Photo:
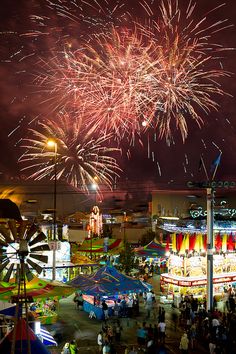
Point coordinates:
[(44, 247), (9, 273), (3, 256), (8, 256), (34, 265), (39, 257), (6, 234), (31, 231), (3, 243), (4, 264), (41, 237), (28, 272), (12, 227), (21, 229)]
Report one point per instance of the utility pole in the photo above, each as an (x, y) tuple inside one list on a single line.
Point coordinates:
[(210, 245)]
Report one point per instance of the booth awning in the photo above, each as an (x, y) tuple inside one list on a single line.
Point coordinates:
[(100, 245), (108, 281), (152, 250)]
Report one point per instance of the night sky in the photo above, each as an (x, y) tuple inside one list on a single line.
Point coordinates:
[(22, 102)]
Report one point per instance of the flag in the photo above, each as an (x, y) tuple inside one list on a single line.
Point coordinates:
[(216, 162)]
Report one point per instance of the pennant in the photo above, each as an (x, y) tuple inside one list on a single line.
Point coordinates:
[(218, 242), (192, 241), (216, 162), (174, 248), (230, 243), (205, 242), (168, 243), (224, 243)]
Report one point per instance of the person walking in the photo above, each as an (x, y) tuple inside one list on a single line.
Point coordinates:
[(117, 331), (184, 341), (73, 347), (162, 331), (66, 349)]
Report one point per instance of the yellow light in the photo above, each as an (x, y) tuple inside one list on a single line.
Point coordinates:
[(51, 143), (169, 217)]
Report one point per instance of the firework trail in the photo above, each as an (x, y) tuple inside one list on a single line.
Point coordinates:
[(163, 71), (80, 156), (188, 69)]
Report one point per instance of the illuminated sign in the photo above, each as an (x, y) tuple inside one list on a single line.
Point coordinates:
[(200, 212)]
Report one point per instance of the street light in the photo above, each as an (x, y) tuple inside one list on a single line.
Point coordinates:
[(52, 144)]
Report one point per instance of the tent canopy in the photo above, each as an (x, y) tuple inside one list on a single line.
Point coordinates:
[(21, 340), (38, 289), (96, 245), (108, 281), (82, 261), (9, 210), (152, 249)]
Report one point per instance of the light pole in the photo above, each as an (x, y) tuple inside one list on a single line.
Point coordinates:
[(52, 144), (210, 245)]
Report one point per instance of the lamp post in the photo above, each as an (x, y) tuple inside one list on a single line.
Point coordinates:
[(52, 144)]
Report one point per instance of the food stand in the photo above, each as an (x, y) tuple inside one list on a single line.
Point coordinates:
[(187, 266)]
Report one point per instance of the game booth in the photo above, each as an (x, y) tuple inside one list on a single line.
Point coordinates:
[(154, 253), (187, 266), (109, 285), (45, 296)]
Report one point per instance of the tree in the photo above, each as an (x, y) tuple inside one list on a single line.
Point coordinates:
[(127, 258), (147, 237)]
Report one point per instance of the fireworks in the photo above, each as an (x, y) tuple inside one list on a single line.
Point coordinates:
[(80, 155), (161, 72)]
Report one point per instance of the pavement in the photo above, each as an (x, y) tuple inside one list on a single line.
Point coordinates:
[(75, 324)]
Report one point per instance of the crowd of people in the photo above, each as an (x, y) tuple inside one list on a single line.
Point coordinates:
[(196, 329), (212, 332), (217, 328)]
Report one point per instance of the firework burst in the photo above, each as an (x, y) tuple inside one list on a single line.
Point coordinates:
[(80, 156), (161, 72), (188, 70)]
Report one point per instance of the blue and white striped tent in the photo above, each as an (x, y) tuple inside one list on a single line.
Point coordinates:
[(46, 338)]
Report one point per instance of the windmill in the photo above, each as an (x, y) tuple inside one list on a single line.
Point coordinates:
[(21, 245)]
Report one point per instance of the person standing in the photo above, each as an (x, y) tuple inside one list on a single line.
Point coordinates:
[(105, 309), (99, 341), (106, 348), (184, 341), (116, 309)]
